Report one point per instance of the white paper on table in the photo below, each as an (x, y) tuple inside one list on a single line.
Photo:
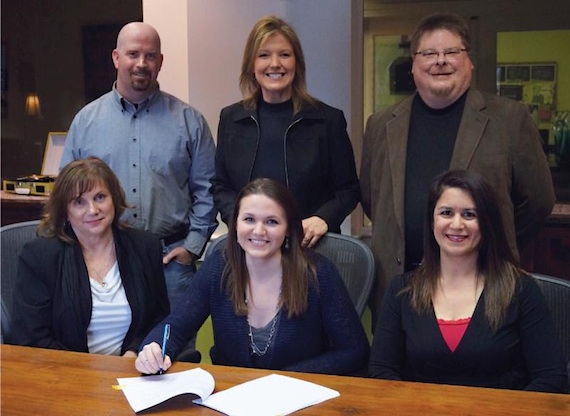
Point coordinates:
[(270, 395), (147, 391)]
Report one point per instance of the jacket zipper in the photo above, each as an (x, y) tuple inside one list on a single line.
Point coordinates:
[(284, 148), (256, 148)]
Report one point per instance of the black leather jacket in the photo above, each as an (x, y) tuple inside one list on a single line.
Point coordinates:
[(319, 161)]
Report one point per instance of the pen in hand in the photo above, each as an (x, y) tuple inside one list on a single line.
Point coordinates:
[(165, 338)]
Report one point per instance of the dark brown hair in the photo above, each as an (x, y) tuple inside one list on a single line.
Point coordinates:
[(298, 269), (438, 21), (76, 178), (495, 261), (265, 28)]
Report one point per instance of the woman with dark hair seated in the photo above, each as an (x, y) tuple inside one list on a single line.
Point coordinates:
[(88, 283), (274, 304), (468, 315)]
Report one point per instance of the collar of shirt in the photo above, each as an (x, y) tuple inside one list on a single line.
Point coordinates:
[(126, 105)]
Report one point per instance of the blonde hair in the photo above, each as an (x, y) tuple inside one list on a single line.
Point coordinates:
[(265, 28)]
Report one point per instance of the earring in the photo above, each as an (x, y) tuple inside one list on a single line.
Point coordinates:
[(286, 243)]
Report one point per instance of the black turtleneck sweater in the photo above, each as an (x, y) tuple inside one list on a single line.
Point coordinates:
[(431, 140), (274, 119)]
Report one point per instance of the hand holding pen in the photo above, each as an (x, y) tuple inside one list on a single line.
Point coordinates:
[(165, 338), (153, 359)]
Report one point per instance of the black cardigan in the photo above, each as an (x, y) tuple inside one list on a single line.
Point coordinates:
[(38, 315), (524, 353)]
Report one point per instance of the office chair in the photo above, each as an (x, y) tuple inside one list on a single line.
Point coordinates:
[(556, 291), (14, 236), (352, 257)]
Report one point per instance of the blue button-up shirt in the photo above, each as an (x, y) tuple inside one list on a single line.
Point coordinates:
[(163, 154)]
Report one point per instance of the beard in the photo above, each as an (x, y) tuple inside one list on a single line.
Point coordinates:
[(442, 91), (141, 81)]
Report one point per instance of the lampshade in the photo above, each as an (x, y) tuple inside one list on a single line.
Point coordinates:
[(33, 105)]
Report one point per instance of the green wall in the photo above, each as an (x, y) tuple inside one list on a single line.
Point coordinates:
[(541, 46)]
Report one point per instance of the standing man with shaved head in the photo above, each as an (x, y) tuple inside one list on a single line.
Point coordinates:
[(160, 148)]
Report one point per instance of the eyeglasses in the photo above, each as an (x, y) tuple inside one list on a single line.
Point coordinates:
[(451, 54)]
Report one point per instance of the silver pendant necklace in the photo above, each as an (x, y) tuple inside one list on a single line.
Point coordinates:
[(254, 348)]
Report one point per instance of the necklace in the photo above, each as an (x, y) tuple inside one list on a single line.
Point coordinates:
[(100, 278), (254, 348), (99, 274)]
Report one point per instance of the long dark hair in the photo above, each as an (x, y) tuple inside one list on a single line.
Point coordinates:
[(495, 261), (76, 178), (298, 269)]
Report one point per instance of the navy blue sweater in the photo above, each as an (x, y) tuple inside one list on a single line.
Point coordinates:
[(327, 338)]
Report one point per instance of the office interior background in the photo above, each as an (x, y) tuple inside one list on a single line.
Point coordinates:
[(56, 57)]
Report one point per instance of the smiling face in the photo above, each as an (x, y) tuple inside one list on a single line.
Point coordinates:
[(441, 81), (91, 214), (274, 69), (261, 227), (138, 60), (455, 224)]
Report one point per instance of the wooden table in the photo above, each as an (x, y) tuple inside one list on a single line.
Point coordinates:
[(48, 382)]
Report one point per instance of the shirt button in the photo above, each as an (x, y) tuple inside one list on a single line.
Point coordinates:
[(135, 116), (134, 165), (399, 260), (134, 139), (135, 215), (134, 190)]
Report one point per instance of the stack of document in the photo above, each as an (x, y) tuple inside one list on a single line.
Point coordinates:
[(265, 396)]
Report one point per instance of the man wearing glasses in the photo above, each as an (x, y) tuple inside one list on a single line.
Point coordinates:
[(447, 125)]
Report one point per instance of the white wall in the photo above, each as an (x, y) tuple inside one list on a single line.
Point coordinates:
[(214, 33), (173, 30)]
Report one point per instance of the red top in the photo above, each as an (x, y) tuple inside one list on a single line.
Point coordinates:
[(453, 331)]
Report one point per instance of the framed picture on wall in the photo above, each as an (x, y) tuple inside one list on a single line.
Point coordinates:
[(543, 73), (518, 73), (514, 92), (533, 84)]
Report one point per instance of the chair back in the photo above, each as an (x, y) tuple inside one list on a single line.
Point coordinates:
[(556, 291), (352, 257), (214, 245), (14, 236)]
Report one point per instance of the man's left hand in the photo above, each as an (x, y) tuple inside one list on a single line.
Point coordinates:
[(181, 255)]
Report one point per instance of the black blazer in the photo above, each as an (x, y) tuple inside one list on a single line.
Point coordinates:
[(38, 316)]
